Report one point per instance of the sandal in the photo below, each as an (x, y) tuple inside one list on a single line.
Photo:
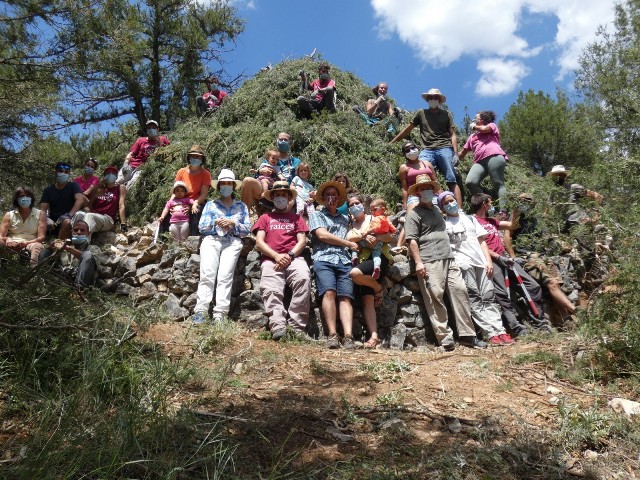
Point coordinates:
[(399, 250), (378, 297), (372, 343)]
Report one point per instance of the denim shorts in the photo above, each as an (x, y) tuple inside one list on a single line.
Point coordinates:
[(330, 276), (442, 159)]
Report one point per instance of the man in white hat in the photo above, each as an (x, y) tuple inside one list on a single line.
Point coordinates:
[(438, 137), (281, 238), (437, 270), (139, 154), (332, 261)]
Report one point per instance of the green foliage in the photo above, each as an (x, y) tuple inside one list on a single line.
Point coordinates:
[(241, 131)]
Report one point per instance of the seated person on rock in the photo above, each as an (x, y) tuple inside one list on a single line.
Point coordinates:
[(436, 270), (139, 154), (525, 226), (88, 181), (323, 91), (211, 100), (378, 108), (505, 270), (470, 251), (61, 201), (106, 203), (281, 238), (24, 228), (77, 259)]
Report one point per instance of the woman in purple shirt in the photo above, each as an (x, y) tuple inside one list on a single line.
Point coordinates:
[(488, 156)]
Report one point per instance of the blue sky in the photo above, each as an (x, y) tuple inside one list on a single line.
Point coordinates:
[(479, 54)]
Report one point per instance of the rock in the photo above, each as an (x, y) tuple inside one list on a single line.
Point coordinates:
[(253, 270), (629, 407), (411, 315), (250, 300), (123, 289), (399, 271), (147, 270), (192, 244), (554, 400), (454, 425), (168, 257), (104, 271), (416, 337), (590, 455), (398, 336), (394, 425), (386, 313), (143, 279), (193, 264), (253, 256), (144, 242), (108, 259), (190, 301), (402, 294), (173, 308), (254, 321), (553, 390), (161, 276), (412, 284), (163, 287), (150, 254), (121, 240), (338, 435), (179, 284), (126, 267), (146, 291)]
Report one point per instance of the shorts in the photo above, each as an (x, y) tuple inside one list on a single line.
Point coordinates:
[(267, 178), (366, 268), (336, 277), (542, 271)]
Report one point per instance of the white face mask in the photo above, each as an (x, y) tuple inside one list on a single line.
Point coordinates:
[(281, 203), (412, 154), (433, 103), (426, 196)]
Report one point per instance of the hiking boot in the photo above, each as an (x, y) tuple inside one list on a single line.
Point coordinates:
[(496, 341), (448, 346), (333, 341), (472, 342), (347, 343), (198, 318), (278, 334), (506, 339), (217, 317)]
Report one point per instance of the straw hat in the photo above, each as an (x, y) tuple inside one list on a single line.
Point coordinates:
[(226, 175), (179, 184), (197, 149), (435, 91), (422, 180), (280, 186), (342, 193), (558, 170)]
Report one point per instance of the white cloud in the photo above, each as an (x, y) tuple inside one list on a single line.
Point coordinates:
[(443, 32), (499, 76)]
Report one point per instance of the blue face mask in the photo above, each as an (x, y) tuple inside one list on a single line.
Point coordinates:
[(195, 161), (451, 207), (62, 177), (110, 178), (24, 202), (324, 76), (152, 132), (523, 208), (89, 170), (283, 146), (356, 210), (79, 239), (226, 190), (426, 196), (491, 212)]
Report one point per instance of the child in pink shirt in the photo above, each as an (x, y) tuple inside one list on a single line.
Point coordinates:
[(179, 207)]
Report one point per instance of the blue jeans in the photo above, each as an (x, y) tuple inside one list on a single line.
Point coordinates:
[(442, 159)]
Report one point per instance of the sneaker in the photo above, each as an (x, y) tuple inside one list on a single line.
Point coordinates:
[(506, 339), (278, 334), (448, 346), (348, 343), (333, 341), (217, 317), (376, 273), (199, 318), (354, 261), (496, 341), (472, 342)]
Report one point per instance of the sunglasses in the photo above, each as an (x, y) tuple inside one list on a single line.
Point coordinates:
[(433, 97)]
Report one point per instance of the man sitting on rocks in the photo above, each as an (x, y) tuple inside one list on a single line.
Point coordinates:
[(437, 270), (61, 201), (211, 100), (323, 88), (378, 109), (281, 237)]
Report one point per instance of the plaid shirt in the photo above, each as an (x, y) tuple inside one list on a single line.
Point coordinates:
[(337, 225), (214, 209)]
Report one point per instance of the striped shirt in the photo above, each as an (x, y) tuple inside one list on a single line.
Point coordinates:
[(337, 225)]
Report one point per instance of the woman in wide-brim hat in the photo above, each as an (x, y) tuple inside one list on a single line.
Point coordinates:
[(198, 181)]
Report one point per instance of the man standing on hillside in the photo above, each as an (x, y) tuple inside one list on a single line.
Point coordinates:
[(139, 154), (323, 89), (439, 139), (281, 237)]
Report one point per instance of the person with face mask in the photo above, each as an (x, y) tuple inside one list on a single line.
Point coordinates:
[(438, 137), (505, 267), (61, 201), (77, 259), (332, 262), (198, 181), (281, 238), (408, 173), (323, 91), (211, 100), (224, 222), (379, 109), (139, 154), (88, 181), (24, 228), (470, 251), (436, 270), (106, 203)]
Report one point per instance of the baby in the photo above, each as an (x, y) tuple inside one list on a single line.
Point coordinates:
[(179, 206), (269, 170), (379, 224)]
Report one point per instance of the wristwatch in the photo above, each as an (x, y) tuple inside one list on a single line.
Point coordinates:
[(291, 254)]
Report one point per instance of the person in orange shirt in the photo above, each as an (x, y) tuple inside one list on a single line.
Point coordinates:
[(198, 181)]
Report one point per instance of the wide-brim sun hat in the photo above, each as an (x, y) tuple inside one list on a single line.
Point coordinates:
[(197, 149), (342, 192), (442, 195), (422, 180), (226, 175), (279, 187), (434, 91), (179, 184), (558, 170)]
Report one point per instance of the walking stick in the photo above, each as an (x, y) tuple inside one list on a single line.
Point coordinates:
[(532, 305)]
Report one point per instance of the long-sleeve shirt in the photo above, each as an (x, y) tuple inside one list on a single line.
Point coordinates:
[(214, 209)]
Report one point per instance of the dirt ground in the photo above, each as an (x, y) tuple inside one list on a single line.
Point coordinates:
[(301, 407)]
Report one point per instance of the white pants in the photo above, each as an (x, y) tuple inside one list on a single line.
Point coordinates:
[(98, 222), (218, 258)]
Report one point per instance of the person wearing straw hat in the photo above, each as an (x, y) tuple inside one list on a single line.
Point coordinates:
[(281, 238), (177, 209), (332, 261), (436, 269), (438, 137), (224, 222), (198, 181)]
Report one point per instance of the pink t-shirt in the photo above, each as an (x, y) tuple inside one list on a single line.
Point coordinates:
[(85, 184), (485, 145), (494, 242), (281, 230), (214, 98), (107, 202), (317, 83), (179, 209), (142, 148)]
